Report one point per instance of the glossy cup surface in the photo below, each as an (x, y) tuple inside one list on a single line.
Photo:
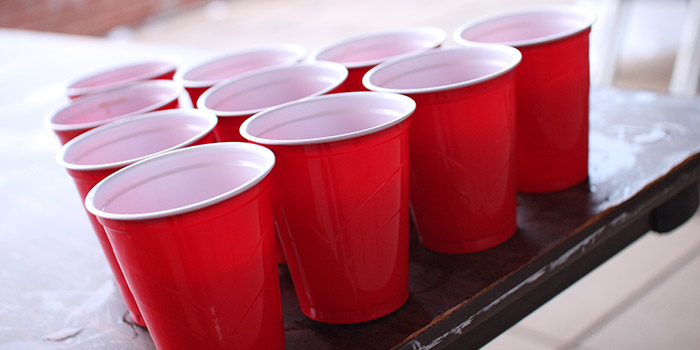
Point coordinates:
[(200, 258), (340, 197), (463, 196), (553, 85), (92, 156), (236, 99)]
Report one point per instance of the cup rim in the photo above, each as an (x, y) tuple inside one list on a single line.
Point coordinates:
[(298, 52), (409, 102), (272, 71), (178, 90), (514, 54), (74, 92), (586, 13), (438, 34), (267, 155), (124, 123)]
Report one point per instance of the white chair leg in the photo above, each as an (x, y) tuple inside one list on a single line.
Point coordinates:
[(613, 28), (686, 69)]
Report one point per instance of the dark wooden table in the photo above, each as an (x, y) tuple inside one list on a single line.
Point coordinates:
[(56, 291)]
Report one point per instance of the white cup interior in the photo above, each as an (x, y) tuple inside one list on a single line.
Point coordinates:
[(118, 76), (528, 26), (237, 63), (255, 91), (368, 50), (131, 139), (180, 181), (97, 109), (442, 69), (327, 118)]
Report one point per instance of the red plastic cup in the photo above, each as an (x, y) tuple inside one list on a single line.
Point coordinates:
[(553, 85), (193, 233), (463, 195), (235, 100), (198, 78), (119, 76), (360, 53), (92, 156), (340, 198), (92, 111)]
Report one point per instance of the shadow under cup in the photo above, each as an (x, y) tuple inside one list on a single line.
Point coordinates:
[(463, 195), (552, 87), (193, 232), (340, 198), (96, 154)]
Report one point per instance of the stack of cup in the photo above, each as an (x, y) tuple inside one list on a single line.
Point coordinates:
[(360, 53), (221, 290), (189, 232)]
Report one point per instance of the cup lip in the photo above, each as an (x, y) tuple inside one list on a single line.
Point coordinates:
[(585, 12), (299, 53), (269, 113), (177, 91), (514, 54), (438, 34), (272, 72), (73, 92), (269, 159), (125, 123)]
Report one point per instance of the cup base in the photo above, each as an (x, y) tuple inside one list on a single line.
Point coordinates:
[(463, 247), (356, 316), (136, 319)]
